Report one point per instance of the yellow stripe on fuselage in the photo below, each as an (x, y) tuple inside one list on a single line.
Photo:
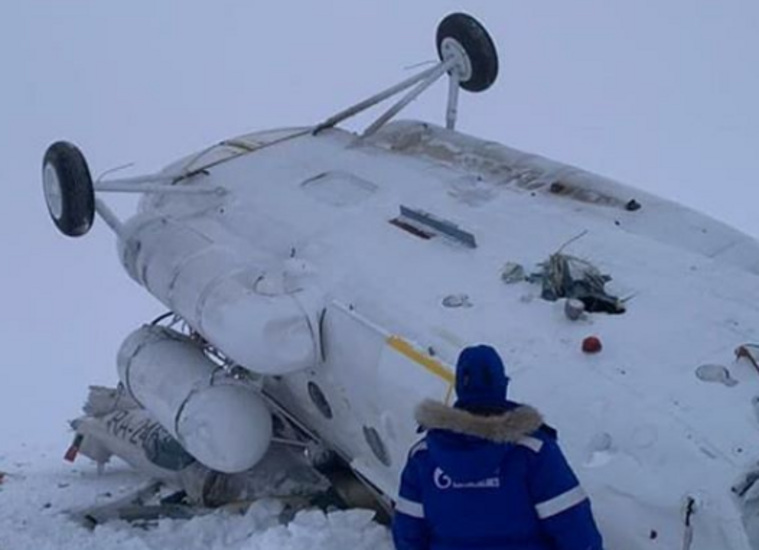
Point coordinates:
[(432, 365)]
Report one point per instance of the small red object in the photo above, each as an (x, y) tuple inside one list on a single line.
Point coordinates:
[(591, 344), (72, 451)]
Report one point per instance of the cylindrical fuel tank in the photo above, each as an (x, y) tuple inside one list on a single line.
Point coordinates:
[(246, 303), (221, 422)]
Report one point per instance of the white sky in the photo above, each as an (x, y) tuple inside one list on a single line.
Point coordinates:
[(657, 94)]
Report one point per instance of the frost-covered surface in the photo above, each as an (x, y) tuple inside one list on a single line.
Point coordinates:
[(643, 426)]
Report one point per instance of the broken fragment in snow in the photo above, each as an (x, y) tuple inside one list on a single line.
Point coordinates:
[(565, 276), (750, 352), (715, 373), (512, 273)]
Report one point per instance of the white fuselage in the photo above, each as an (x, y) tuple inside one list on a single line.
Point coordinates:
[(296, 272)]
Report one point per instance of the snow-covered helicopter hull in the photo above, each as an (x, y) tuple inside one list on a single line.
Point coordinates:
[(349, 270)]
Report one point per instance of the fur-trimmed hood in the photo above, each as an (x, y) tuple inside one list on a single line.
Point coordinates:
[(468, 447), (508, 427)]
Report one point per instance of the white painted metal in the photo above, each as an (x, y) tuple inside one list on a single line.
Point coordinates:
[(153, 178), (369, 384), (375, 99), (122, 433), (52, 189), (109, 217), (453, 101), (458, 60), (428, 81), (145, 187), (224, 424), (251, 271), (247, 305), (395, 283)]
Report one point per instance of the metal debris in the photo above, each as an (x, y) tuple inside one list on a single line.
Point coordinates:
[(750, 352), (715, 373), (574, 308), (513, 272), (565, 276)]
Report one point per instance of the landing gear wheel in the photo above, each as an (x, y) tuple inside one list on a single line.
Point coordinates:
[(462, 37), (68, 189)]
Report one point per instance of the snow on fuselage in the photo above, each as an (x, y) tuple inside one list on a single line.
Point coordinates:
[(311, 214)]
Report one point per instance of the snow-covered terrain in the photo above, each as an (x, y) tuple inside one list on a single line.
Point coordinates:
[(579, 83), (40, 492)]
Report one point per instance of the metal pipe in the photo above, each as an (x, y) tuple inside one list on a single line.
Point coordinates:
[(435, 73), (290, 442), (453, 101), (373, 100), (153, 178), (123, 186), (109, 217)]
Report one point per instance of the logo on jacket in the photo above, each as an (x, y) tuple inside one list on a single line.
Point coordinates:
[(443, 481)]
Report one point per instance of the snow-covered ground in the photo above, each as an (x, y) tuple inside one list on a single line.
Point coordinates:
[(639, 92), (40, 495)]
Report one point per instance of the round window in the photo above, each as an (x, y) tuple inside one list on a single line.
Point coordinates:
[(319, 400), (376, 444)]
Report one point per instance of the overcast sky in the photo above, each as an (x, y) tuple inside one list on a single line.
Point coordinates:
[(658, 94)]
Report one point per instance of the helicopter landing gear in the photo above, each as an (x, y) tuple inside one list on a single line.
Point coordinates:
[(460, 37), (68, 189)]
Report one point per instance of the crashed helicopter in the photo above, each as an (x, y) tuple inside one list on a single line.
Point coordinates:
[(321, 283)]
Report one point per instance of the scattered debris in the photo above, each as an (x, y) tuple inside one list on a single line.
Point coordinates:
[(457, 300), (138, 439), (565, 276), (689, 508), (715, 373), (746, 487), (591, 344), (574, 308), (512, 273), (750, 352)]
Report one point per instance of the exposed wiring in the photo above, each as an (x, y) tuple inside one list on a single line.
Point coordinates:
[(573, 239), (421, 64), (112, 170)]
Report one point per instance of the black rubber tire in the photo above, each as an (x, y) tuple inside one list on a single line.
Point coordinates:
[(478, 45), (75, 212)]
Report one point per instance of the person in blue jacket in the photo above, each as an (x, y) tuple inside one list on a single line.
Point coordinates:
[(489, 475)]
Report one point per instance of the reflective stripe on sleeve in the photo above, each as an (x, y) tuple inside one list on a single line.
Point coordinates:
[(420, 446), (561, 503), (532, 443), (409, 507)]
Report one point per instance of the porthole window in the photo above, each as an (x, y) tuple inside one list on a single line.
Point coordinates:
[(376, 444), (319, 400)]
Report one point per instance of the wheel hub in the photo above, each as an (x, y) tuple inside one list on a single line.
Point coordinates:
[(52, 189), (453, 52)]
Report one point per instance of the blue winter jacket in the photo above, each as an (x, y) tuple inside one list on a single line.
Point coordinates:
[(490, 483)]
